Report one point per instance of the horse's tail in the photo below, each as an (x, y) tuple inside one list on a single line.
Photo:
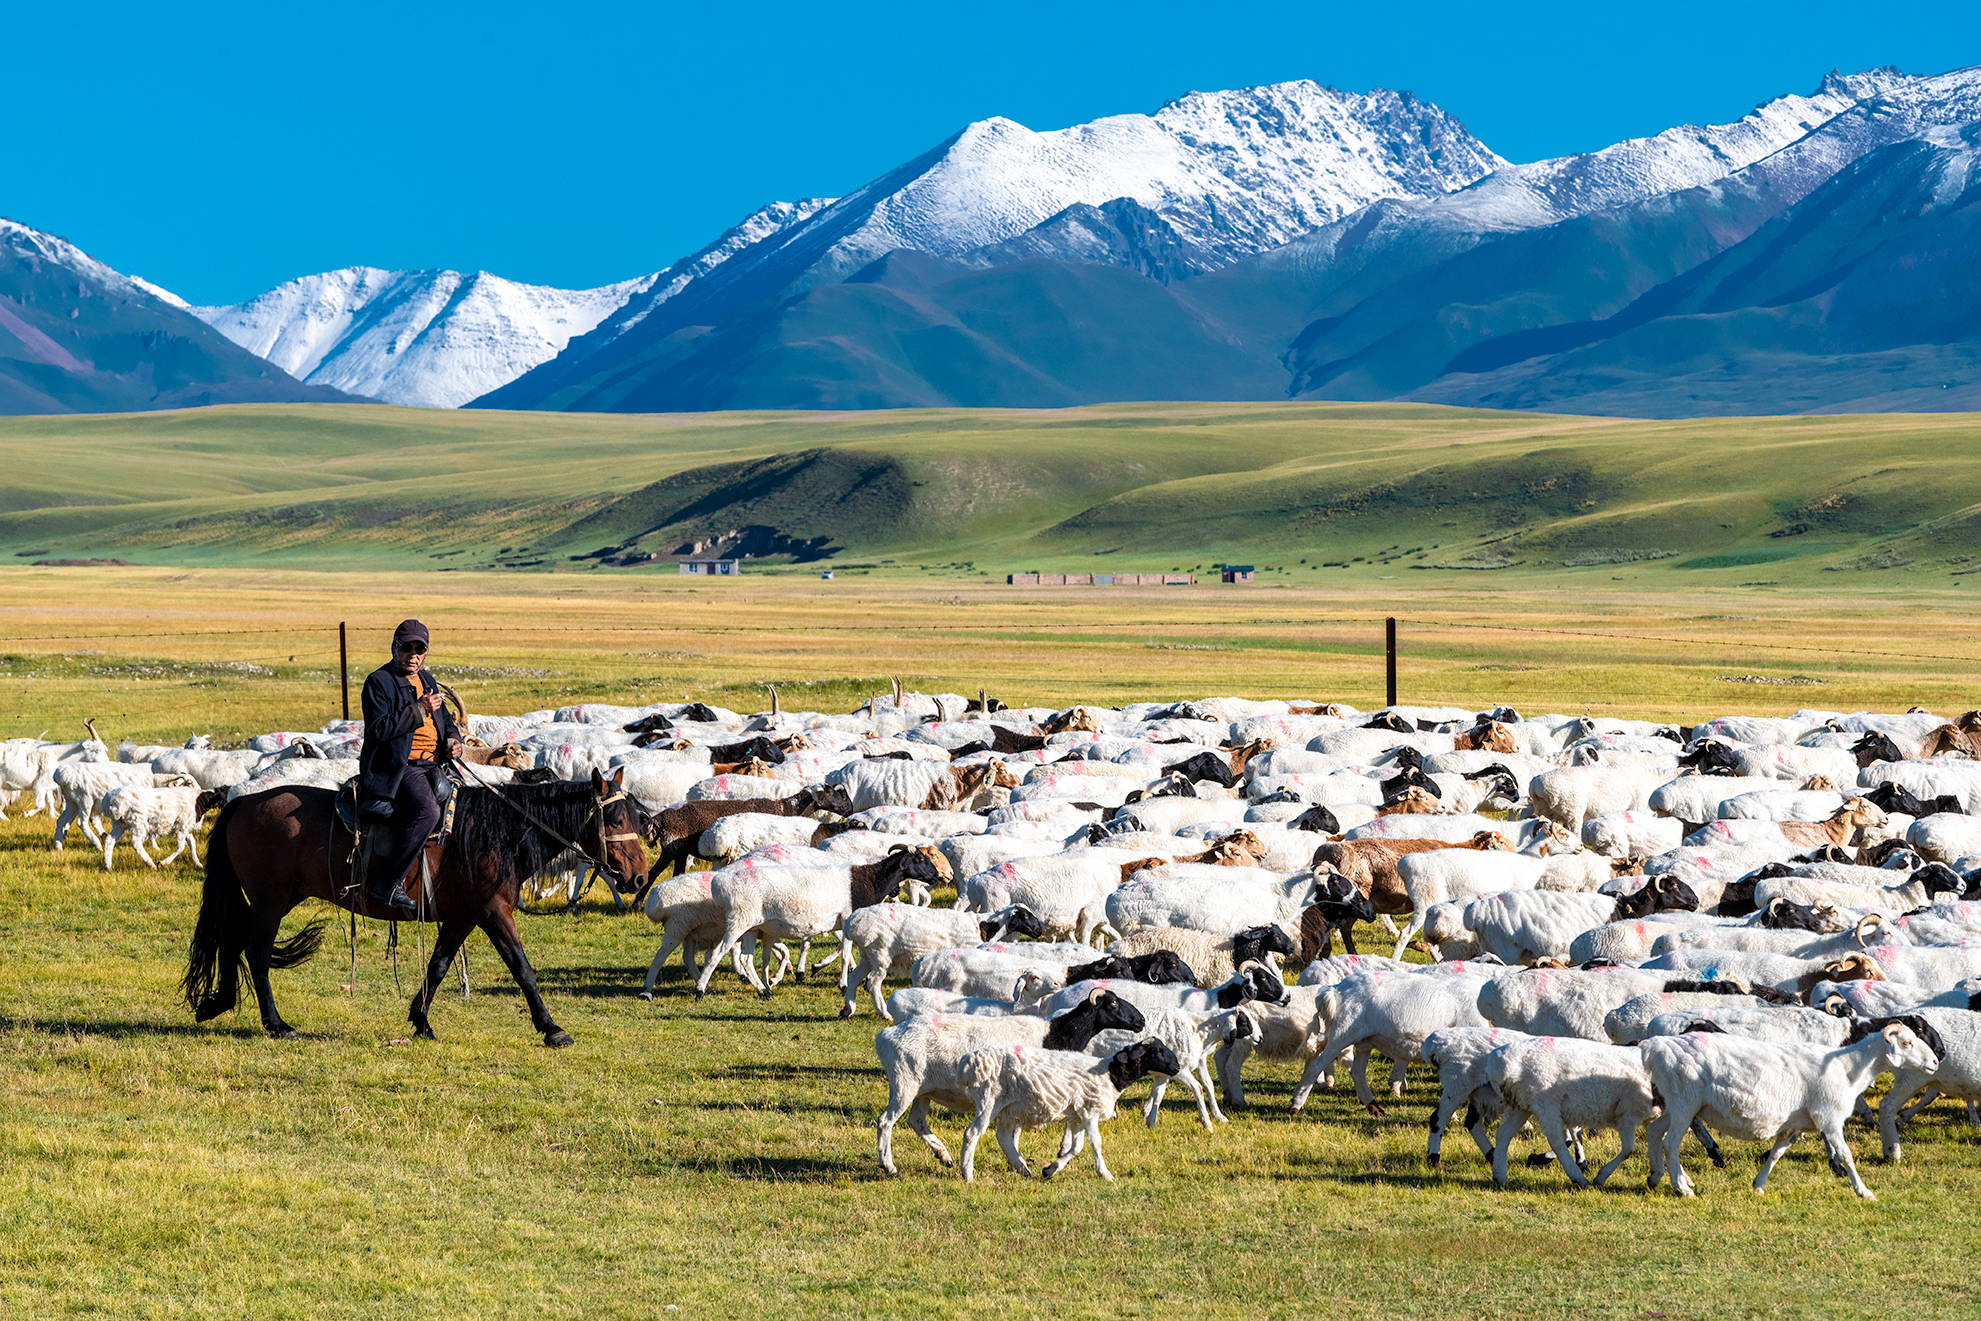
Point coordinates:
[(212, 984)]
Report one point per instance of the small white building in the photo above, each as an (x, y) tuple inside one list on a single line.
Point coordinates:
[(713, 568)]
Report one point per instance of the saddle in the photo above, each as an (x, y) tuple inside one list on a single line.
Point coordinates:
[(361, 830)]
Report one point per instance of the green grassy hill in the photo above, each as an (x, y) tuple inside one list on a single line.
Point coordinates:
[(1312, 492)]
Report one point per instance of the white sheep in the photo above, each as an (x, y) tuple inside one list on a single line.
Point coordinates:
[(1066, 889), (922, 1058), (1630, 940), (1696, 799), (1762, 1090), (887, 938), (1016, 1088), (82, 786), (1573, 795), (915, 1001), (733, 836), (143, 812), (1437, 875), (1956, 1041), (1631, 834), (1564, 1082), (1521, 926), (1458, 1054), (994, 969), (1387, 1015), (1209, 898), (1563, 1002), (1192, 1036)]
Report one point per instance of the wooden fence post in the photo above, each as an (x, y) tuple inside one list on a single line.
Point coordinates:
[(1389, 648), (344, 667)]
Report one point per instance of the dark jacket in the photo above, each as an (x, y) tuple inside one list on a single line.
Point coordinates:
[(392, 713)]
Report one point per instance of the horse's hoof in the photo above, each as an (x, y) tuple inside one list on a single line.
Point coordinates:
[(284, 1033), (558, 1039), (647, 996), (1538, 1159), (425, 1033)]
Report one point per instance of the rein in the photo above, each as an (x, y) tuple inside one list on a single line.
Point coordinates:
[(597, 813)]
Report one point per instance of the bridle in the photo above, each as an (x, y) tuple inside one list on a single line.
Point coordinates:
[(602, 862)]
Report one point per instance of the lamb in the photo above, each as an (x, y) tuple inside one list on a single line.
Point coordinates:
[(797, 903), (1192, 1036), (83, 785), (1763, 1090), (1562, 1083), (690, 919), (1337, 907), (1784, 972), (744, 832), (1441, 874), (889, 937), (1017, 1088), (1696, 799), (1459, 1055), (1212, 958), (922, 1058), (1384, 1014), (143, 812)]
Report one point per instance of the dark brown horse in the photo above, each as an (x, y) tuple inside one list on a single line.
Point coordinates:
[(272, 850)]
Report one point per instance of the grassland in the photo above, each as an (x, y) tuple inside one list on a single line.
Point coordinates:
[(1326, 495), (717, 1156)]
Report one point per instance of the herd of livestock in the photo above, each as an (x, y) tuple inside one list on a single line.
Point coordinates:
[(1732, 929)]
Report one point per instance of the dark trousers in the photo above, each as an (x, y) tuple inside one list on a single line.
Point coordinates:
[(415, 815)]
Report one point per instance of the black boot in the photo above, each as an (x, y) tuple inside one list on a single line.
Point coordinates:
[(393, 896)]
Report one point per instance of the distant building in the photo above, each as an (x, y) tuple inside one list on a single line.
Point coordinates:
[(712, 568), (1235, 573)]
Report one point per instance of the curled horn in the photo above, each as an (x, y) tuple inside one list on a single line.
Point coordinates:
[(90, 724), (453, 699), (1094, 996), (1870, 920)]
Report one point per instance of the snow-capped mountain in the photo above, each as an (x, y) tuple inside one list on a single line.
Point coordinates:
[(1230, 173), (434, 339), (77, 336)]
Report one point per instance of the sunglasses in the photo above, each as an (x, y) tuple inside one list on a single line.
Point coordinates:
[(414, 648)]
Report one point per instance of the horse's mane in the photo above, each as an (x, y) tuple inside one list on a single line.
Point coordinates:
[(484, 824)]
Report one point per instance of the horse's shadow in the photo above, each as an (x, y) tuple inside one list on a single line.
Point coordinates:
[(120, 1029)]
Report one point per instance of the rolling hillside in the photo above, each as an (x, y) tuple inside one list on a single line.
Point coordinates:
[(1314, 493)]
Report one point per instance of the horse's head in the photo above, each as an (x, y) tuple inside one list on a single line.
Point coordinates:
[(617, 842)]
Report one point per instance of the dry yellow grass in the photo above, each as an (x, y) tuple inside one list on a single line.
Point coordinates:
[(117, 643)]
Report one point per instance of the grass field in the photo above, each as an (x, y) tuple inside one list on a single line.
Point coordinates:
[(1317, 495), (717, 1157)]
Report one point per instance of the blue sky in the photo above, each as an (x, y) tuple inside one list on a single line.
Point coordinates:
[(219, 149)]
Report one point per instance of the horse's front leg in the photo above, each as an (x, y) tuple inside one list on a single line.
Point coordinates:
[(446, 944), (500, 927)]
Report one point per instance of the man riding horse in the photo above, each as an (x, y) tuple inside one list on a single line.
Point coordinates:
[(407, 730)]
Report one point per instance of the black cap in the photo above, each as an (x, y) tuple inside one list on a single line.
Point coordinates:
[(412, 630)]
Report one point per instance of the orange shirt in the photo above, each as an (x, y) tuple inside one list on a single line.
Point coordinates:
[(426, 739)]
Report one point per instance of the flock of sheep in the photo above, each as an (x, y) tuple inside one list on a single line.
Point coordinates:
[(1730, 929)]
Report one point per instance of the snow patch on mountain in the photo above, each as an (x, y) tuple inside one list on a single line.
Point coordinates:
[(746, 233), (1233, 173), (433, 339)]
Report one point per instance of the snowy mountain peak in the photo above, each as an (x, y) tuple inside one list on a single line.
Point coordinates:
[(434, 339)]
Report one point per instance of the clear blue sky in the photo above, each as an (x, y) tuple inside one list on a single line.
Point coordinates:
[(219, 149)]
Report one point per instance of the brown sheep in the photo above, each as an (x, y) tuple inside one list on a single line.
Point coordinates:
[(1487, 736), (1413, 799), (510, 755), (1370, 864), (1841, 829), (1241, 848)]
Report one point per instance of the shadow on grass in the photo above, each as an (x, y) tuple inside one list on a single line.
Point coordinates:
[(797, 1071), (119, 1029), (780, 1169)]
